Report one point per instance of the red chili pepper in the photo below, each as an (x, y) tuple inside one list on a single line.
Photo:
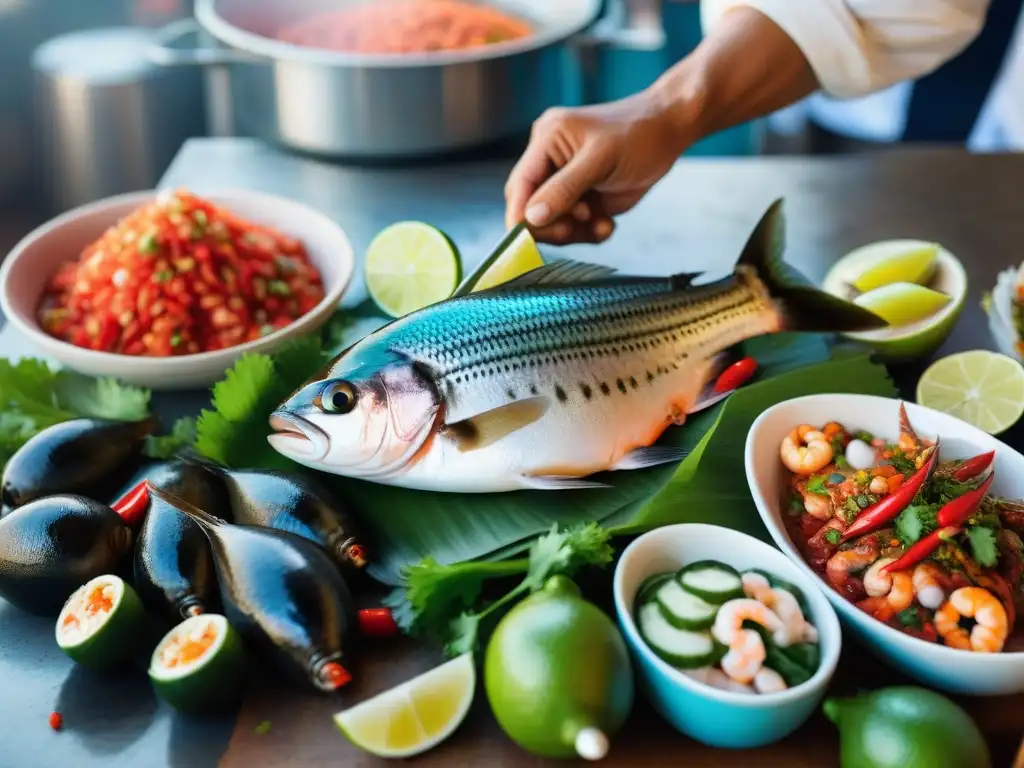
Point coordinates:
[(133, 505), (56, 721), (922, 549), (736, 375), (959, 509), (377, 622), (885, 510), (973, 467)]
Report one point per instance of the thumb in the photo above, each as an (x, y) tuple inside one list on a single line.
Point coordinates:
[(557, 196)]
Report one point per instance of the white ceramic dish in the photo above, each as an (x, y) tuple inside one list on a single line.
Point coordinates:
[(710, 715), (26, 269), (945, 668)]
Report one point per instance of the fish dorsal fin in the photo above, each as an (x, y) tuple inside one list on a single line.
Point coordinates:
[(490, 426), (560, 272), (684, 280)]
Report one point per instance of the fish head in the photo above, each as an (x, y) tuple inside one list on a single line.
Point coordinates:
[(362, 422)]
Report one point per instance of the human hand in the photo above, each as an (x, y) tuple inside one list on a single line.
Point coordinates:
[(586, 165)]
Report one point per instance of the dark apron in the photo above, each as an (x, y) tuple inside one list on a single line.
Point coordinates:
[(945, 105)]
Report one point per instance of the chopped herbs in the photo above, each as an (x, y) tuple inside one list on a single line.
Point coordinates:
[(796, 504), (279, 288), (841, 461), (863, 500), (909, 618), (816, 484), (148, 242), (867, 437), (833, 536), (915, 522), (163, 275), (983, 545), (902, 464)]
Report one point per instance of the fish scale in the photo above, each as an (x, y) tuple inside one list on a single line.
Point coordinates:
[(563, 373)]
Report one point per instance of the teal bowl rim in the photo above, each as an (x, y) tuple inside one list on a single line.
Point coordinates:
[(823, 610)]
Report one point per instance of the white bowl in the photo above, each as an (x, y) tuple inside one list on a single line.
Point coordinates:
[(945, 668), (710, 715), (27, 268)]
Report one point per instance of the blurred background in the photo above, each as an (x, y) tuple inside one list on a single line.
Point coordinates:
[(85, 112)]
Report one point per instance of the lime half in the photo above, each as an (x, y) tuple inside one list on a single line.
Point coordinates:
[(414, 716), (102, 624), (515, 255), (983, 388), (411, 265)]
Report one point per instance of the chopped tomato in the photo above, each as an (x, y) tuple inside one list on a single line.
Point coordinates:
[(180, 276)]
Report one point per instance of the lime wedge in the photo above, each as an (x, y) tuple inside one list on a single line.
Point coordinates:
[(914, 265), (983, 388), (515, 255), (414, 716), (903, 303), (410, 265)]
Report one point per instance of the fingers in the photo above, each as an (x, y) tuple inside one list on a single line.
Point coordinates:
[(556, 197), (528, 174), (587, 222)]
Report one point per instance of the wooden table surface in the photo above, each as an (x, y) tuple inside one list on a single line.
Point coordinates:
[(700, 215)]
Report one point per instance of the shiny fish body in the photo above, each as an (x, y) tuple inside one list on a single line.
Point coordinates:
[(564, 373)]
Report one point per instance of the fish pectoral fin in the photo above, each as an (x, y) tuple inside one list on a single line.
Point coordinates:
[(651, 456), (490, 426), (708, 400), (553, 483)]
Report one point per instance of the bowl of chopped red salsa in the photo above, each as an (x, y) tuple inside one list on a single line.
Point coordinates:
[(911, 522), (167, 289)]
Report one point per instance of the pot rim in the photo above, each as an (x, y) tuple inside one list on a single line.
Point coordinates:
[(208, 17)]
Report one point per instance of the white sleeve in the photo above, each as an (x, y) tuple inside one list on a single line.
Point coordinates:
[(857, 47)]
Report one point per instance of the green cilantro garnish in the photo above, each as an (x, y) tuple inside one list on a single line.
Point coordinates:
[(279, 288), (909, 618), (841, 461), (902, 464), (163, 275), (833, 536), (148, 242), (443, 600), (182, 435), (866, 437), (983, 545), (914, 522), (816, 484)]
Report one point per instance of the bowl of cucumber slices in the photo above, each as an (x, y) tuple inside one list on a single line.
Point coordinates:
[(734, 644)]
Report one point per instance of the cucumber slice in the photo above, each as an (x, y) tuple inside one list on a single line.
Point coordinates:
[(684, 610), (679, 647), (712, 581), (102, 624), (200, 665), (650, 586), (778, 583)]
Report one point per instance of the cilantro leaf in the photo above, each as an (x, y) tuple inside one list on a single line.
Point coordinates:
[(547, 555), (909, 618), (983, 545), (463, 634), (182, 435), (104, 398), (915, 522), (833, 536), (816, 484)]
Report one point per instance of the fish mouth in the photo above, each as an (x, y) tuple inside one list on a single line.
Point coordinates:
[(297, 437)]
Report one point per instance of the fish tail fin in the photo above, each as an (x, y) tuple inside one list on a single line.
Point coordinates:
[(803, 307)]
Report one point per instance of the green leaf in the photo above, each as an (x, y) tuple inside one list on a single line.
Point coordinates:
[(915, 522), (182, 435), (547, 555), (816, 484), (103, 398), (463, 634), (983, 545)]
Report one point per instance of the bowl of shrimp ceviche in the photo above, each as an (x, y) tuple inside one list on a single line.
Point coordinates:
[(910, 520), (734, 643)]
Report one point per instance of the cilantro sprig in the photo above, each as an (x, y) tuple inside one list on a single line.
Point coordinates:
[(444, 601)]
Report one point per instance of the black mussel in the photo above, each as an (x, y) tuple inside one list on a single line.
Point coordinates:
[(191, 481), (283, 595), (87, 457), (54, 545), (174, 571)]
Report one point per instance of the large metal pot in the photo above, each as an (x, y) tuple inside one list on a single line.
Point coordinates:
[(365, 105)]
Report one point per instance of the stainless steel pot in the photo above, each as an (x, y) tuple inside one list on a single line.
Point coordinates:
[(364, 105)]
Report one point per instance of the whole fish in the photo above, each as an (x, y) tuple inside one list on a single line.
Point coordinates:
[(542, 381)]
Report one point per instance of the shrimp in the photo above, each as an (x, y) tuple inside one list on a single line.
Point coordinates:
[(818, 506), (716, 678), (805, 450), (729, 621), (909, 443), (755, 585), (990, 628), (878, 607), (769, 681), (897, 588), (745, 656), (784, 604), (846, 561), (929, 585), (878, 486)]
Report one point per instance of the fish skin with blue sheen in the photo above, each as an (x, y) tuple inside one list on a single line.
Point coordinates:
[(539, 383)]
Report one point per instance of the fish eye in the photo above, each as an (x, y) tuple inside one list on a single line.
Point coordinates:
[(337, 397)]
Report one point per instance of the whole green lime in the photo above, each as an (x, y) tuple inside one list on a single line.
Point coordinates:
[(557, 674), (906, 727)]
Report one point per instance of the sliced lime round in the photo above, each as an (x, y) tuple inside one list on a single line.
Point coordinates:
[(910, 264), (515, 255), (411, 265), (903, 303), (200, 665), (102, 624), (983, 388), (414, 716)]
